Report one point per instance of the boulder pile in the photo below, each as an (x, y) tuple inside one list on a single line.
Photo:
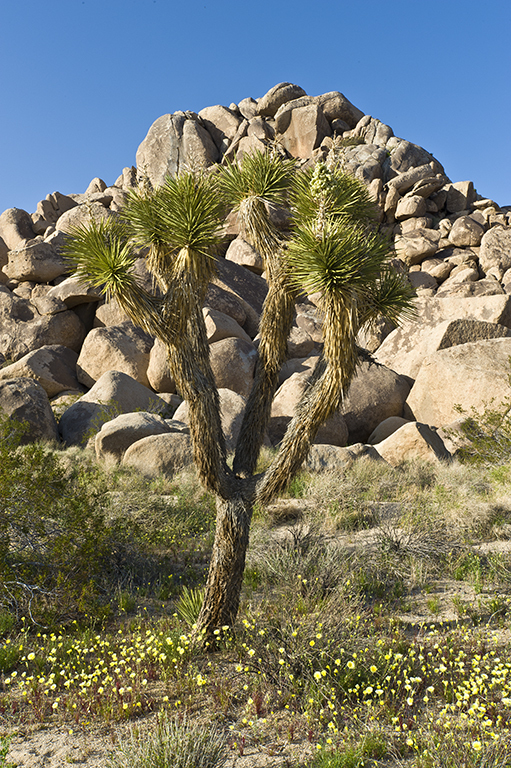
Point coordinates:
[(76, 369)]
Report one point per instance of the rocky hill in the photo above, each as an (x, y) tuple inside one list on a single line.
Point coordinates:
[(67, 353)]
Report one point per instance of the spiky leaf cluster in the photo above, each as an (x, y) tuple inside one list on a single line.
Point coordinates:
[(264, 175), (103, 255), (334, 252), (180, 224), (321, 192), (261, 178), (339, 258)]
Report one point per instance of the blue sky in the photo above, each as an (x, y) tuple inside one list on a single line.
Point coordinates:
[(83, 80)]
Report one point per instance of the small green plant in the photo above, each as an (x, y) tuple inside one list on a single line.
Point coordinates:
[(487, 435), (58, 547), (189, 605), (373, 746), (127, 602), (470, 567), (7, 622), (175, 743), (351, 141), (433, 604), (4, 749), (298, 486)]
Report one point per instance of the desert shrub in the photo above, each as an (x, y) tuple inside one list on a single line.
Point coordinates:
[(189, 605), (4, 749), (57, 544), (372, 747), (308, 606), (174, 743), (486, 436)]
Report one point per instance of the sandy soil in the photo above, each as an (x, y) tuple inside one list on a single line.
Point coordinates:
[(57, 747)]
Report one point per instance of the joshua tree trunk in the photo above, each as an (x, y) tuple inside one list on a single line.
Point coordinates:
[(223, 588)]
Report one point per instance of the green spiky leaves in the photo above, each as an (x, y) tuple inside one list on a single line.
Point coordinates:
[(180, 222), (248, 187), (340, 258), (183, 213), (101, 254), (320, 193), (334, 252), (391, 298), (264, 175)]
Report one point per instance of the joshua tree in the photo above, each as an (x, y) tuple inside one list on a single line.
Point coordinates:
[(331, 251)]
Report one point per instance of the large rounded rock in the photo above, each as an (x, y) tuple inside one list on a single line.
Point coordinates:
[(408, 207), (405, 156), (114, 393), (109, 313), (53, 367), (159, 374), (406, 354), (404, 181), (376, 393), (82, 216), (468, 375), (334, 106), (334, 431), (36, 261), (233, 362), (460, 196), (232, 408), (299, 343), (73, 292), (174, 143), (122, 348), (116, 436), (298, 365), (15, 227), (222, 124), (473, 288), (307, 129), (242, 253), (226, 302), (50, 209), (495, 253), (412, 441), (386, 429), (276, 96), (220, 326), (26, 401), (398, 350), (23, 328), (417, 245), (333, 458), (466, 232), (249, 289), (160, 454)]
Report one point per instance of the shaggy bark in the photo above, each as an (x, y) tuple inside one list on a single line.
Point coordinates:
[(225, 578)]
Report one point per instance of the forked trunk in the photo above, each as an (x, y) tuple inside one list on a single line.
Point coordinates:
[(223, 588)]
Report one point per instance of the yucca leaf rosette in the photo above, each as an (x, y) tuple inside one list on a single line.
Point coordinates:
[(247, 187), (103, 255)]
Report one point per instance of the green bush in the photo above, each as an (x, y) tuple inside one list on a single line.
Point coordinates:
[(174, 743), (4, 749), (57, 544), (486, 436)]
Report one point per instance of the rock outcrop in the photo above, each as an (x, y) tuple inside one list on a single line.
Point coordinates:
[(59, 339)]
